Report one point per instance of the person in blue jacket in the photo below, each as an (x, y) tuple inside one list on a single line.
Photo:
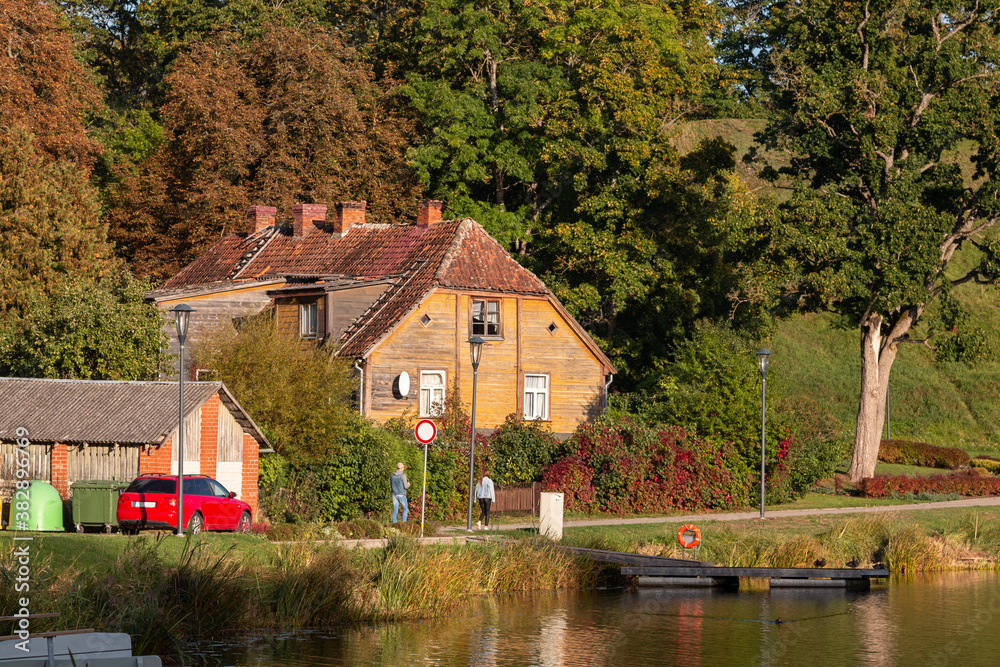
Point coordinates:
[(397, 481), (485, 496)]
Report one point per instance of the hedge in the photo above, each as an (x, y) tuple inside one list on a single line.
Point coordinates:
[(966, 483), (987, 463), (922, 454), (624, 468)]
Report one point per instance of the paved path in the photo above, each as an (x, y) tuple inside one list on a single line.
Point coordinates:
[(769, 514), (458, 535)]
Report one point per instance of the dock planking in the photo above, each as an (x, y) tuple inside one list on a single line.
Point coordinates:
[(762, 572), (626, 558)]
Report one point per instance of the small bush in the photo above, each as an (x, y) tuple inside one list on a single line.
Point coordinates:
[(968, 483), (922, 454), (281, 532), (519, 451), (371, 529), (351, 530), (988, 464)]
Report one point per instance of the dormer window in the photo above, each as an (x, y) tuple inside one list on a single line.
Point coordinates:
[(308, 320), (486, 318)]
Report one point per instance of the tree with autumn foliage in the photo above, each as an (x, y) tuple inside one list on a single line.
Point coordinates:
[(870, 99), (43, 89), (291, 116)]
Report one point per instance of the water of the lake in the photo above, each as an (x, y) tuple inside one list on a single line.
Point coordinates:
[(946, 619)]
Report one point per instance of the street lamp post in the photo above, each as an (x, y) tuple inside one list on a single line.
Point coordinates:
[(182, 313), (762, 358), (476, 348)]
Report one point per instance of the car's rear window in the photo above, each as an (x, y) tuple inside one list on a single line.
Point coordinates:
[(152, 485)]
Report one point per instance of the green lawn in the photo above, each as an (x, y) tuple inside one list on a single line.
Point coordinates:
[(58, 551), (941, 522)]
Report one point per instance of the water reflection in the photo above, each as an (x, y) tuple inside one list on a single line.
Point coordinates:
[(949, 619)]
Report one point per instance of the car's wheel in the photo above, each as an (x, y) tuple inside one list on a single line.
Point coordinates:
[(244, 524), (196, 523)]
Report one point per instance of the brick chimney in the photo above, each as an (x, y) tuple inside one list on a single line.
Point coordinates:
[(305, 217), (259, 217), (348, 214), (429, 212)]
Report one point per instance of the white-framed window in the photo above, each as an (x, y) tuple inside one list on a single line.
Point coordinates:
[(308, 320), (432, 393), (486, 318), (536, 396)]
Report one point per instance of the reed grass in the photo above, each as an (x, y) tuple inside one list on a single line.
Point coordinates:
[(211, 593), (867, 539)]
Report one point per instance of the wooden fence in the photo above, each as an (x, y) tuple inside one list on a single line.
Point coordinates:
[(517, 499)]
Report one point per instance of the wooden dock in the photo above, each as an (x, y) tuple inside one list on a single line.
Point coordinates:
[(663, 571)]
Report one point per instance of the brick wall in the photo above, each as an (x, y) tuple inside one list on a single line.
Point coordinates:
[(251, 470), (60, 470), (156, 459), (210, 436)]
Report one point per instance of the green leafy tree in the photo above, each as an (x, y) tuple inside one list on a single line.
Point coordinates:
[(550, 124), (872, 97), (294, 390), (536, 111), (90, 330)]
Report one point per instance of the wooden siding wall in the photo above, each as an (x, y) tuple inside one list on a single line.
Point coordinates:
[(112, 462), (211, 312), (346, 305), (230, 438), (576, 378), (192, 438), (287, 315), (39, 465)]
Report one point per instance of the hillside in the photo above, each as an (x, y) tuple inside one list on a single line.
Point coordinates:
[(942, 403)]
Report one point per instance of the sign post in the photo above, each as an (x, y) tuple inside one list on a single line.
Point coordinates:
[(426, 431)]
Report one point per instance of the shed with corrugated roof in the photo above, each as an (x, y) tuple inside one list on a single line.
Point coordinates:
[(113, 430)]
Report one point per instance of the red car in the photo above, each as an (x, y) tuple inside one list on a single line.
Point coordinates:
[(150, 501)]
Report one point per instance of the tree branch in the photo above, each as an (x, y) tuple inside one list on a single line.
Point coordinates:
[(861, 35)]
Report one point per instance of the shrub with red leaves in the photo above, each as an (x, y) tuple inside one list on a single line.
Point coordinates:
[(965, 483), (625, 468), (922, 454)]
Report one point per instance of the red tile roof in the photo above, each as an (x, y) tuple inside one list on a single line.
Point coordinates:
[(456, 253)]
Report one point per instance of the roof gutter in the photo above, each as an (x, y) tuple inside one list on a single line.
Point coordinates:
[(361, 387)]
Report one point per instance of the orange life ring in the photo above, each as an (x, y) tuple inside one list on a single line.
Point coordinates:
[(689, 528)]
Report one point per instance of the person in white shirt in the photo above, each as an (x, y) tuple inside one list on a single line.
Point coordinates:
[(485, 496)]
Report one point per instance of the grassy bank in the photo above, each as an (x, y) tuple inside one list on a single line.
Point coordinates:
[(163, 591), (923, 541)]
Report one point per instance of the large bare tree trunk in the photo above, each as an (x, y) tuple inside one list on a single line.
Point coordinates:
[(878, 353), (871, 405)]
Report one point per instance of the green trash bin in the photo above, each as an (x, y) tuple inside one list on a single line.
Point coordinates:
[(95, 503)]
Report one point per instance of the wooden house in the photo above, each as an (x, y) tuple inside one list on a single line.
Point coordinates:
[(401, 302), (92, 429)]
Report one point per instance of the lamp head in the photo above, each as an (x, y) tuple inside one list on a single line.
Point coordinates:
[(476, 348), (763, 356), (182, 314)]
